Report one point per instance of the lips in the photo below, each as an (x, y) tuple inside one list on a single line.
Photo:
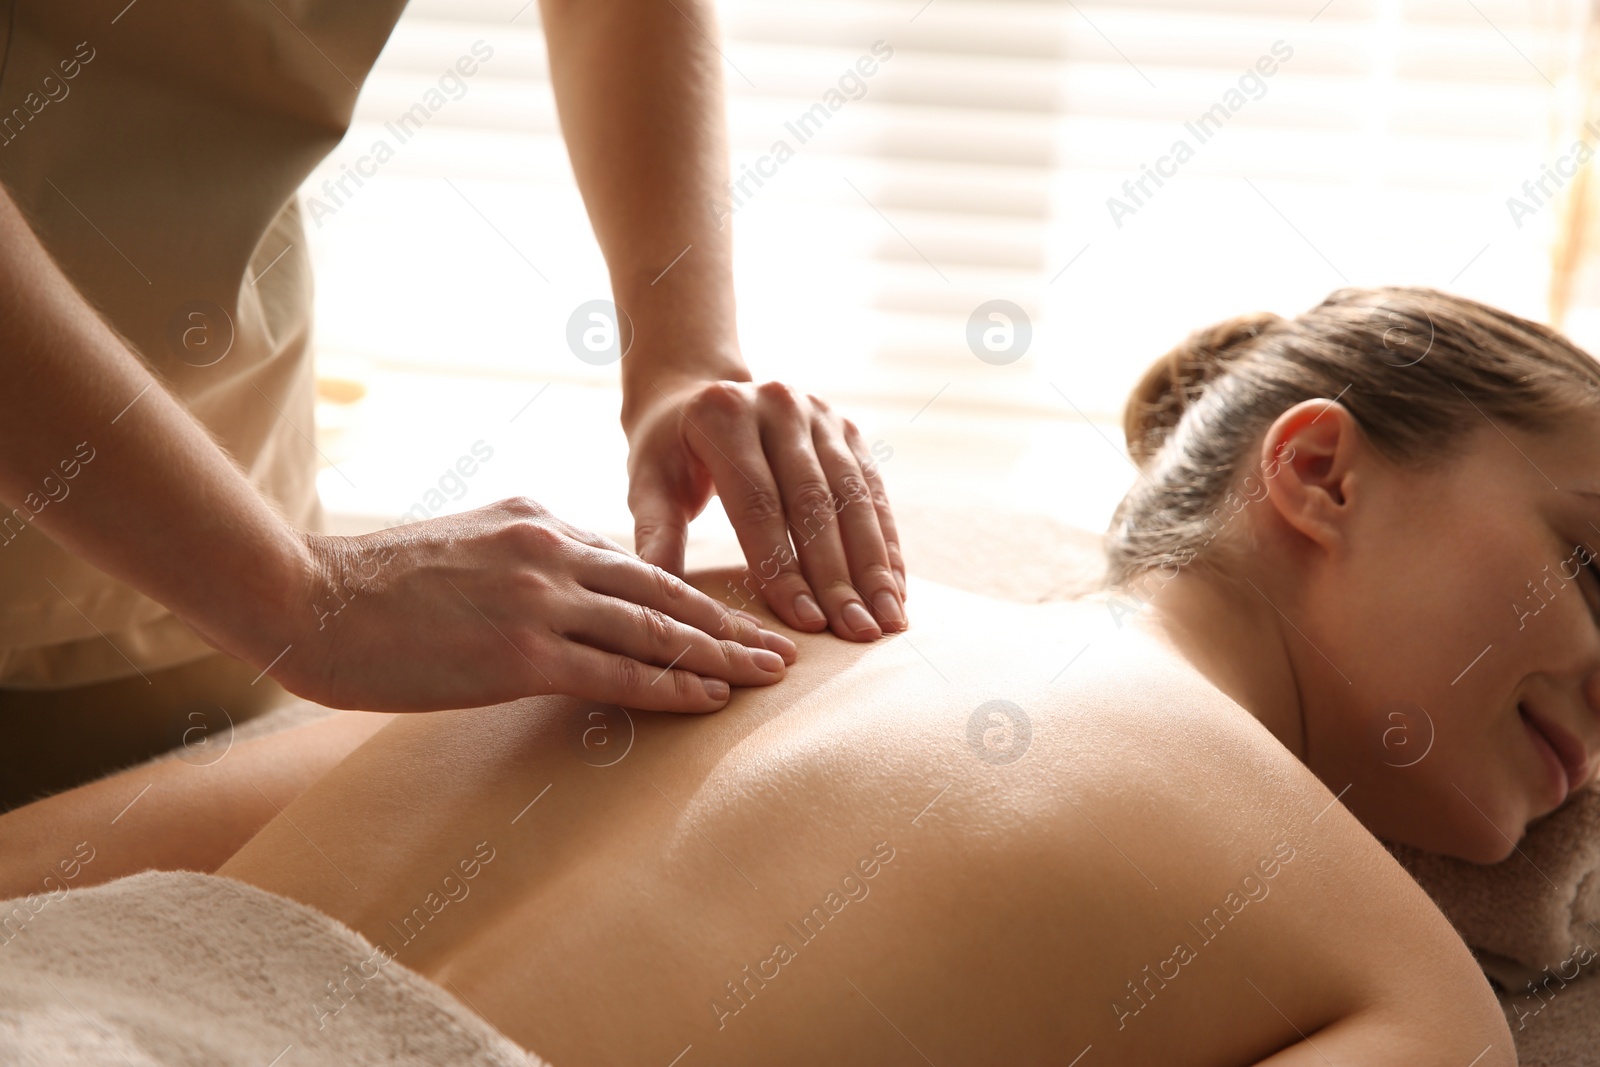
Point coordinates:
[(1571, 753)]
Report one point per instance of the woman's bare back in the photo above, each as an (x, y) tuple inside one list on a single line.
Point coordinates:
[(1013, 834)]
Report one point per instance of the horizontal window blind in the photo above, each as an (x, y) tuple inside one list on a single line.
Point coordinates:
[(975, 164), (982, 160)]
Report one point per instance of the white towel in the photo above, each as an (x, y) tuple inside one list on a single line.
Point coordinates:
[(178, 968)]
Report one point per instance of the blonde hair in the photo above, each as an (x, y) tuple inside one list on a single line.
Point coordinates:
[(1415, 367)]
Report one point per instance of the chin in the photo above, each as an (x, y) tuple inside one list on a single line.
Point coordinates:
[(1485, 851), (1473, 838), (1478, 840)]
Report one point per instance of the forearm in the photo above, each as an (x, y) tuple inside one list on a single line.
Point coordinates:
[(639, 90), (158, 505), (191, 816)]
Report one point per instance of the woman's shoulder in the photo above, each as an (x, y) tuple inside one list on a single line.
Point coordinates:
[(1227, 902)]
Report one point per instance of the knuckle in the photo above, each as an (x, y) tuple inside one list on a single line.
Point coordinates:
[(628, 674), (731, 628), (522, 507), (538, 537), (686, 687), (788, 583), (740, 630), (669, 586), (779, 395), (733, 654), (838, 590), (648, 531), (808, 498), (529, 583), (719, 398), (655, 625), (853, 487), (876, 576), (761, 505)]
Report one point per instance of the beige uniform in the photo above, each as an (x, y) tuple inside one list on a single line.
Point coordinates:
[(156, 147)]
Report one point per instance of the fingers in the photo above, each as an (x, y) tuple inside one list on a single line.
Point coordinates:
[(788, 474), (816, 514), (660, 528), (654, 639), (880, 503), (620, 576), (727, 441), (865, 548), (632, 634), (580, 670), (589, 619)]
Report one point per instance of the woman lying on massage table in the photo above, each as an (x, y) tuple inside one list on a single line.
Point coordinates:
[(1353, 583)]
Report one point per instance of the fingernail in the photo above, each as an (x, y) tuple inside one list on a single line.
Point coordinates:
[(807, 611), (856, 617), (715, 688), (779, 644), (770, 662), (888, 606)]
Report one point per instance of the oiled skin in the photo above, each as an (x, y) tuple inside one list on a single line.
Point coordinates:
[(1009, 904)]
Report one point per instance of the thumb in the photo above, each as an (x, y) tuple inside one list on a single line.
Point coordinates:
[(659, 529)]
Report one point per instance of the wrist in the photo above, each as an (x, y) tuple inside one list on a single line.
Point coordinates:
[(683, 328), (658, 376), (277, 594)]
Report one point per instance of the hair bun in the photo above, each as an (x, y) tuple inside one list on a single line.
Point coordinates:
[(1174, 381)]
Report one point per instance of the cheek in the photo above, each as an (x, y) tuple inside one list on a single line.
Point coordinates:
[(1452, 778), (1409, 624), (1485, 789), (1427, 597), (1424, 631)]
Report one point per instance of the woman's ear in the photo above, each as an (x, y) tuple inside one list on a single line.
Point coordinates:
[(1308, 462)]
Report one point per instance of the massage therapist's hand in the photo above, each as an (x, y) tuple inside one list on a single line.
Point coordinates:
[(638, 88), (508, 601), (799, 485)]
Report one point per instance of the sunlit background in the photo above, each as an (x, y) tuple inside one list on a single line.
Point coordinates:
[(975, 165)]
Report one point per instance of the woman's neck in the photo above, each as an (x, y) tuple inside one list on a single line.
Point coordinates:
[(1230, 630)]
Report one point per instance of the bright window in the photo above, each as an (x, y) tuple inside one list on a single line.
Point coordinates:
[(1329, 143)]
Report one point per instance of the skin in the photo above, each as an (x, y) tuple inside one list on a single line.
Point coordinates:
[(1310, 618), (624, 877), (1018, 902), (533, 604)]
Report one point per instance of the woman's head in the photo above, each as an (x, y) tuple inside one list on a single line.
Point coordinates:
[(1395, 480)]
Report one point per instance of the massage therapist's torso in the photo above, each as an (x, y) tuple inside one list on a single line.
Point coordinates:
[(1007, 835)]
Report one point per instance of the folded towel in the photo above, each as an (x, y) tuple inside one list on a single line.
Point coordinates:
[(1534, 922), (181, 969), (1538, 907)]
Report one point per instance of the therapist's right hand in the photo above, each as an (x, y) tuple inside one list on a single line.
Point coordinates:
[(504, 602)]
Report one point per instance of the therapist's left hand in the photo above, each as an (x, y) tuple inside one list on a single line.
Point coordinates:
[(799, 484)]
